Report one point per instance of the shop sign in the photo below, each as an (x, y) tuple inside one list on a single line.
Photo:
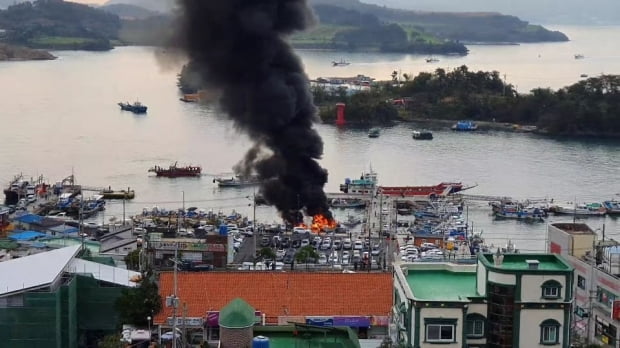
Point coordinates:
[(192, 321), (320, 321), (615, 312), (188, 246), (352, 321)]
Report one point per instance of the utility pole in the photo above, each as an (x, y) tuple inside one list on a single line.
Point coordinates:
[(173, 300)]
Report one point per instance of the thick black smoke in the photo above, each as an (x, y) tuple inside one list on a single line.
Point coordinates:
[(240, 46)]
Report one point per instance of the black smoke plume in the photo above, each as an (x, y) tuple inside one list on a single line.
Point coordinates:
[(240, 46)]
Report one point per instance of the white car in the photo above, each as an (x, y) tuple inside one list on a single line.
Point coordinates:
[(305, 242), (358, 245), (346, 244)]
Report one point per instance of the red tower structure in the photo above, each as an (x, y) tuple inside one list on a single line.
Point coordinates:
[(340, 121)]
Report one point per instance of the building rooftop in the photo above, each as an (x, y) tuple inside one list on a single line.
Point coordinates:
[(279, 294), (442, 285), (574, 228), (516, 262)]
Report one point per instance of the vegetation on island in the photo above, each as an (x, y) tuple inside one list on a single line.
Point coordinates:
[(471, 27), (13, 53), (588, 107), (58, 25), (345, 29)]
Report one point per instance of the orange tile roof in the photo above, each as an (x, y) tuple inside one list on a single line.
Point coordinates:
[(281, 294)]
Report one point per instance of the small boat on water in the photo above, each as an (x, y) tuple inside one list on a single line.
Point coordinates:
[(518, 211), (342, 62), (422, 135), (584, 75), (136, 107), (122, 194), (237, 181), (579, 56), (374, 133), (465, 126), (586, 209), (612, 206), (431, 60), (173, 171), (190, 98)]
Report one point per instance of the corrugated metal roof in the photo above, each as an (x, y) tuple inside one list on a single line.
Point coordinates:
[(103, 272), (35, 270)]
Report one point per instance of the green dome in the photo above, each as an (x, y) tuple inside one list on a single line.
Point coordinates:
[(237, 314)]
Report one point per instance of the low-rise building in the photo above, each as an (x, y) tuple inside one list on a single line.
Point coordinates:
[(360, 301), (505, 300), (55, 299), (596, 309)]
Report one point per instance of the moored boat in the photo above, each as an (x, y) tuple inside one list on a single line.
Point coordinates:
[(366, 184), (585, 209), (465, 126), (347, 203), (374, 133), (173, 171), (136, 107), (237, 181), (612, 206), (422, 135), (121, 194)]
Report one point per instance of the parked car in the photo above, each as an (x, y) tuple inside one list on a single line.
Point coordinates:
[(358, 245), (346, 244)]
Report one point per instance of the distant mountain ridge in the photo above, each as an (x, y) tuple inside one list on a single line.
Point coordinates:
[(162, 6), (592, 12)]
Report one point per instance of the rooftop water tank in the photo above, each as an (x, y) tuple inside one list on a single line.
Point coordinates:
[(260, 342)]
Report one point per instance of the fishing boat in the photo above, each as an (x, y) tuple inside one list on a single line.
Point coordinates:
[(190, 98), (365, 185), (374, 133), (422, 135), (173, 171), (237, 181), (136, 107), (352, 221), (584, 75), (579, 56), (465, 126), (122, 194), (342, 62), (612, 206), (585, 209), (344, 203), (522, 213)]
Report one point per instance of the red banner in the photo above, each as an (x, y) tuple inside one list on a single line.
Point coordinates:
[(615, 313)]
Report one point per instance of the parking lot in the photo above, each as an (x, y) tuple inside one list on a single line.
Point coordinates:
[(351, 251)]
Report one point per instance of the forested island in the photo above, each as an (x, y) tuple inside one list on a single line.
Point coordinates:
[(58, 25), (590, 107)]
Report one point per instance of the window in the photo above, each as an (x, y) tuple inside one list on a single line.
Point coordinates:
[(549, 332), (440, 330), (474, 325), (551, 289), (581, 282), (605, 297)]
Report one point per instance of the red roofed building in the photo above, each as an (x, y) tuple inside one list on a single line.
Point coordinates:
[(361, 301)]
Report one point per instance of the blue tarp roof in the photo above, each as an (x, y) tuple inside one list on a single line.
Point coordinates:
[(26, 235), (29, 219), (615, 250)]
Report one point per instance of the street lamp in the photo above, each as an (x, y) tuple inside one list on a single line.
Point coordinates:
[(148, 320)]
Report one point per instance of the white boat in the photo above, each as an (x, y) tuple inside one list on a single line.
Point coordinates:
[(237, 181), (595, 209)]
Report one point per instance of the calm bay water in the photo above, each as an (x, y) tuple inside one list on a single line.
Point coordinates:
[(61, 116)]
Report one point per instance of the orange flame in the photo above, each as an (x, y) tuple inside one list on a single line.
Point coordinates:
[(321, 223)]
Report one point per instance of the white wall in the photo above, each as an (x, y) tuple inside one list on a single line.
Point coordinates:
[(442, 313), (530, 320), (532, 292), (501, 278), (481, 279)]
